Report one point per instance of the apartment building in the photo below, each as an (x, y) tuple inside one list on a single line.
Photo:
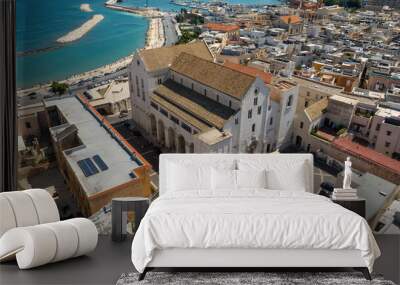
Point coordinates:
[(321, 129), (94, 173)]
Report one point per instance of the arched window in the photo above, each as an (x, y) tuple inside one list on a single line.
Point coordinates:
[(290, 101)]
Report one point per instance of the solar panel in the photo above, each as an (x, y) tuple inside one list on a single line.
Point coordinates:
[(100, 163), (88, 167)]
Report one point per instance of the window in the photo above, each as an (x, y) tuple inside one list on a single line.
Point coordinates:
[(195, 132), (308, 93), (269, 107), (388, 133), (159, 81), (255, 101), (387, 144), (137, 62), (249, 114), (192, 86), (301, 125), (186, 127), (164, 112), (271, 120), (137, 87), (378, 127), (142, 82), (28, 125), (253, 128), (259, 110), (290, 101), (306, 104), (256, 91), (174, 119), (205, 92), (230, 104), (154, 105), (236, 121)]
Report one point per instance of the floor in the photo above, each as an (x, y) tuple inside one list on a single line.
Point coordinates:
[(106, 264), (103, 266)]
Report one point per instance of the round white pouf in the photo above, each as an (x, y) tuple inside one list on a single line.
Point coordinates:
[(40, 244)]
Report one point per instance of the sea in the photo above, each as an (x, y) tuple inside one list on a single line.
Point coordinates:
[(41, 22)]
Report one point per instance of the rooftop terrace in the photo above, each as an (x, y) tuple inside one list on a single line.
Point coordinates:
[(97, 137)]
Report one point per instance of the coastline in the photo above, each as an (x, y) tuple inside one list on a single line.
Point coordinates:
[(154, 38), (82, 30)]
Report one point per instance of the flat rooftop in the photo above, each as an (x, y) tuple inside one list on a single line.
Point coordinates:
[(96, 140)]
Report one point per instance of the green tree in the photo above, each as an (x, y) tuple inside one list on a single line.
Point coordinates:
[(59, 88)]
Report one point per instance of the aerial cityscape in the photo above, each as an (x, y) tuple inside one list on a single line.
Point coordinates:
[(105, 87)]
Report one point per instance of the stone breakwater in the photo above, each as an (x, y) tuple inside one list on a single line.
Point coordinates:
[(86, 8), (81, 31)]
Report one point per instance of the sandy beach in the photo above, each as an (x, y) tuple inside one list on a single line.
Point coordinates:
[(82, 30), (86, 8), (155, 34)]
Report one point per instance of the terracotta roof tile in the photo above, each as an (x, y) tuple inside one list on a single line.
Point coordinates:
[(367, 154), (159, 58), (221, 27), (265, 76), (221, 78), (291, 19)]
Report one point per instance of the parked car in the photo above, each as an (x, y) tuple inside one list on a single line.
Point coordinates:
[(326, 189), (327, 186)]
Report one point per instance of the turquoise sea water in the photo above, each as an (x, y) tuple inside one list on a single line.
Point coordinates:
[(41, 22)]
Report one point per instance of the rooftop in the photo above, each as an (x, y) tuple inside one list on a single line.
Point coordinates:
[(221, 27), (291, 19), (343, 99), (96, 140), (368, 154), (213, 136), (160, 58), (314, 111), (221, 78), (201, 107), (265, 76), (110, 93)]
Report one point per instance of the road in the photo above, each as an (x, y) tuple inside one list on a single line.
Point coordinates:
[(143, 146), (84, 85), (169, 30)]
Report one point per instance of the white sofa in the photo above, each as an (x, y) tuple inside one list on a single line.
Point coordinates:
[(31, 231)]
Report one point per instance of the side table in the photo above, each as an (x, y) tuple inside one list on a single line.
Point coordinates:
[(120, 207), (355, 205)]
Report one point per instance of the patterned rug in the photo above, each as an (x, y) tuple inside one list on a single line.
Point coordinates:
[(243, 278)]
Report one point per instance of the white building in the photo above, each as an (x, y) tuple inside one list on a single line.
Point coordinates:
[(196, 105), (148, 69)]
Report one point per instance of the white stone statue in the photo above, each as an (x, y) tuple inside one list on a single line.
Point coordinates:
[(347, 174)]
